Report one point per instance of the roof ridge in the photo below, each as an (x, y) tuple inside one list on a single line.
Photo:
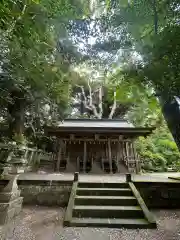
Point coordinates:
[(96, 120)]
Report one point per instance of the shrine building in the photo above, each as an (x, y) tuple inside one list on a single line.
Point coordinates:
[(96, 146)]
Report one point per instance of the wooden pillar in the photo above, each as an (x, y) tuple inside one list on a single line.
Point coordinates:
[(53, 159), (103, 155), (119, 155), (85, 157), (127, 154), (137, 163), (68, 151), (110, 155), (59, 156), (131, 164), (77, 163), (138, 160), (131, 157), (120, 150), (66, 155), (106, 149), (123, 152)]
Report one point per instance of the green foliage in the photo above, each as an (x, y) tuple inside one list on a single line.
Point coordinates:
[(158, 152), (146, 113), (152, 29), (19, 139), (33, 72)]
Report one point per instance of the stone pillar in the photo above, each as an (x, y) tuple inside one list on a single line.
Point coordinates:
[(10, 201)]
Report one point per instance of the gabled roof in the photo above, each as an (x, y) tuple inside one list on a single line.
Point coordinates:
[(101, 126), (95, 123)]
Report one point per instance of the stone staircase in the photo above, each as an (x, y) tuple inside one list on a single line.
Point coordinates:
[(113, 205)]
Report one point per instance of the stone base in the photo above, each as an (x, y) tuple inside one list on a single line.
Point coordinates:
[(10, 201), (7, 197), (10, 210)]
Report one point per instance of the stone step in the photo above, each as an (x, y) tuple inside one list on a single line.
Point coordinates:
[(102, 185), (106, 200), (104, 192), (110, 223), (84, 211)]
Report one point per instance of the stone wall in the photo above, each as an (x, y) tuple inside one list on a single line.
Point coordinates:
[(56, 193), (48, 193), (160, 195)]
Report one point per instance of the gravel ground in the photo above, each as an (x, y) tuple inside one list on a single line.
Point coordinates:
[(41, 223)]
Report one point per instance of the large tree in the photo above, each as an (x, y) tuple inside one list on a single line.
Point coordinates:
[(95, 93), (33, 72), (150, 50)]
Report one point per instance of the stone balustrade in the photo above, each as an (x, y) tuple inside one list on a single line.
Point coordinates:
[(18, 159)]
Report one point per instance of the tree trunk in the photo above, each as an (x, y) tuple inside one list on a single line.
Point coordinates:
[(82, 105), (171, 111), (16, 111)]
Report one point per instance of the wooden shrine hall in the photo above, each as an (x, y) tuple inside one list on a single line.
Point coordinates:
[(96, 146)]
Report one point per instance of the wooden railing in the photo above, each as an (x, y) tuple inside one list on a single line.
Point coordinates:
[(133, 163)]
